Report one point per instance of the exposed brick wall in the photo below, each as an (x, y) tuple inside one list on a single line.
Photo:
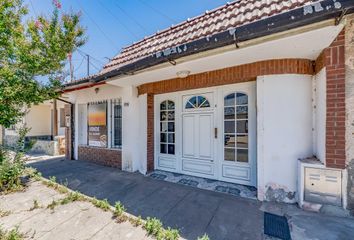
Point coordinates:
[(150, 132), (335, 122), (237, 74), (102, 156)]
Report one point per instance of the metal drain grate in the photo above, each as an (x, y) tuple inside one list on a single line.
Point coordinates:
[(276, 226)]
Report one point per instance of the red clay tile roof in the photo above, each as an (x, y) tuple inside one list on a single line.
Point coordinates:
[(226, 17)]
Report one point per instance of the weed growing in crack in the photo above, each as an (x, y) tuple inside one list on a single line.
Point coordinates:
[(204, 237), (33, 173), (4, 214), (72, 197), (65, 183), (13, 234), (52, 184), (119, 209), (35, 205), (53, 204), (53, 179), (136, 221), (102, 204), (118, 212), (153, 226), (171, 234)]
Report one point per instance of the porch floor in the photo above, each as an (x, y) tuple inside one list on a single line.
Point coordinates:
[(206, 184), (192, 210)]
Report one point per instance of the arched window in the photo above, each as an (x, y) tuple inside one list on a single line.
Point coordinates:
[(236, 127), (197, 102), (167, 127)]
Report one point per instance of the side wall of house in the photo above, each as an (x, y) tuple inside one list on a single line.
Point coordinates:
[(284, 134), (39, 120), (349, 83)]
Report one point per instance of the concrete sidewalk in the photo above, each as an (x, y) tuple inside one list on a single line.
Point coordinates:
[(191, 210), (77, 220)]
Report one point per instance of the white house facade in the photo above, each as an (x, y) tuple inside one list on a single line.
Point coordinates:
[(209, 99)]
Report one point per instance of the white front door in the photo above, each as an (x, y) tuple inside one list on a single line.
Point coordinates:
[(198, 143)]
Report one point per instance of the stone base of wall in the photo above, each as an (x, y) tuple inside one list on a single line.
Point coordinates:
[(102, 156), (10, 141), (45, 147)]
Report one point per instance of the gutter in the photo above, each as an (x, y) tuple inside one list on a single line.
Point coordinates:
[(299, 17)]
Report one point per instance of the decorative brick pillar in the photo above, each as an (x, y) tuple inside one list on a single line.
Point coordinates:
[(335, 121), (150, 132)]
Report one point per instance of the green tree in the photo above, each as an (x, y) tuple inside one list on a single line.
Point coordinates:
[(32, 49)]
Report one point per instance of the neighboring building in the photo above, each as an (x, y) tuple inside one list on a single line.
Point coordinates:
[(46, 129), (253, 92)]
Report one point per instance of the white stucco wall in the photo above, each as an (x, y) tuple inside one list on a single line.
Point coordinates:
[(61, 130), (284, 124), (133, 124), (319, 104), (38, 119)]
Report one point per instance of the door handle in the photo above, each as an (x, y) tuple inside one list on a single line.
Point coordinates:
[(216, 132)]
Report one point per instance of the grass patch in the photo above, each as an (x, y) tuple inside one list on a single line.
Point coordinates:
[(13, 234), (204, 237), (102, 204)]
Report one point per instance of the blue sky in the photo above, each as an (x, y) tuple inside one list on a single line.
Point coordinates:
[(113, 24)]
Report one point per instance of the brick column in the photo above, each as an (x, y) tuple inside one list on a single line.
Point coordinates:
[(150, 132), (335, 121)]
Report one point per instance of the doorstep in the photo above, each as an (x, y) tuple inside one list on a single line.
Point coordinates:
[(206, 184)]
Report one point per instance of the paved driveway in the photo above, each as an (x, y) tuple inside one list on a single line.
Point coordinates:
[(193, 211)]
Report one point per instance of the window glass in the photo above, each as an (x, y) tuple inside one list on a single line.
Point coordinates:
[(167, 127), (229, 100), (116, 123), (62, 117), (197, 102), (97, 124), (229, 126), (236, 127)]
